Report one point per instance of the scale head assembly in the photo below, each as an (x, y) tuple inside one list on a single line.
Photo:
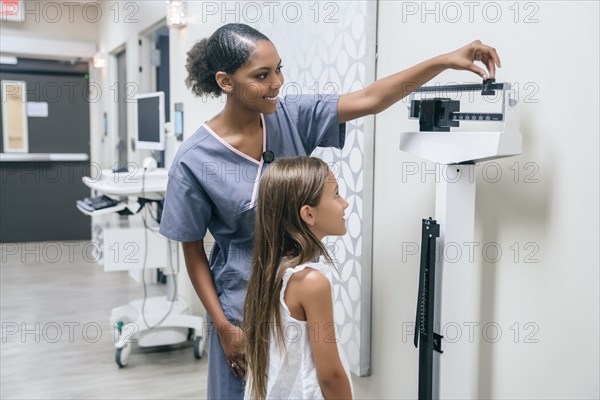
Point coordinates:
[(436, 142)]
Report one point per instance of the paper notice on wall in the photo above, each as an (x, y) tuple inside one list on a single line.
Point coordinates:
[(37, 109), (11, 10)]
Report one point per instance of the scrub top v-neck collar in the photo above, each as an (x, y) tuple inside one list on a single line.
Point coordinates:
[(246, 156)]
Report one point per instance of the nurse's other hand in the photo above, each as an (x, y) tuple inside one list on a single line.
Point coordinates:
[(465, 57), (232, 340)]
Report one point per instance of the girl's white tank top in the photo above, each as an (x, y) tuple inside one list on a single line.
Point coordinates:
[(292, 373)]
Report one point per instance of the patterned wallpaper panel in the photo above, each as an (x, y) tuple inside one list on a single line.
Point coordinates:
[(329, 47)]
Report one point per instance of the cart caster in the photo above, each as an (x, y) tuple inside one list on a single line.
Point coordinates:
[(122, 355), (198, 347)]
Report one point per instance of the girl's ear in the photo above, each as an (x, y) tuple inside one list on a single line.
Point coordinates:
[(308, 215), (224, 82)]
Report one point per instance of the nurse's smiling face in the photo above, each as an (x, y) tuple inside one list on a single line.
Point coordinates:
[(256, 84)]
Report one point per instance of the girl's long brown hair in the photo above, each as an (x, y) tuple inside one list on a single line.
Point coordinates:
[(281, 240)]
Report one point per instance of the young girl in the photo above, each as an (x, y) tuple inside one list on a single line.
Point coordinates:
[(291, 343), (213, 182)]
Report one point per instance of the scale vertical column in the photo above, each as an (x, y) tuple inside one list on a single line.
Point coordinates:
[(457, 298)]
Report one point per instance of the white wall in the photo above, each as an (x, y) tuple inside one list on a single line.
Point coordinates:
[(558, 57)]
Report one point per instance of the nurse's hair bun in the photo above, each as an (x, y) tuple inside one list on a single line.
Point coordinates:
[(227, 49)]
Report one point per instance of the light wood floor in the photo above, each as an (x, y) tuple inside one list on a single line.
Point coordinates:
[(63, 348)]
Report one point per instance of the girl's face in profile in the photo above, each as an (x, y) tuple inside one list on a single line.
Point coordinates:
[(257, 83), (329, 213)]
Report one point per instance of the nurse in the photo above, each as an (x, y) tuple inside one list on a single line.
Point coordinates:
[(213, 183)]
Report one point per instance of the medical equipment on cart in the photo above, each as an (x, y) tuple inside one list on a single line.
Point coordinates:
[(151, 321)]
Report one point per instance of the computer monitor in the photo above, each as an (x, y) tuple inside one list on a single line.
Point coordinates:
[(150, 121)]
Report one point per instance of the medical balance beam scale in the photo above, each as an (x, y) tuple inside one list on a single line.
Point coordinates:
[(449, 287)]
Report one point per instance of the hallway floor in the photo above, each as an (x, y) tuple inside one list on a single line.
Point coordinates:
[(56, 338)]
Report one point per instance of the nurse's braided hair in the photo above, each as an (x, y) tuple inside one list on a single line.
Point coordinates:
[(227, 49)]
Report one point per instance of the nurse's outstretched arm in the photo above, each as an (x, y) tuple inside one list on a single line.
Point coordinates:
[(232, 337), (384, 92)]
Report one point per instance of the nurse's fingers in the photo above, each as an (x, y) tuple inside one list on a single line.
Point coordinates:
[(241, 362), (238, 367), (492, 60), (235, 369), (488, 56)]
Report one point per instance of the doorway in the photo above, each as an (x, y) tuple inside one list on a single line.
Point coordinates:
[(122, 137), (41, 185)]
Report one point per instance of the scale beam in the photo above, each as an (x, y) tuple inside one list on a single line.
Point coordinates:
[(438, 115), (487, 86)]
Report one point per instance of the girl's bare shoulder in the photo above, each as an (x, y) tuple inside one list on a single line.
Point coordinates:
[(310, 281)]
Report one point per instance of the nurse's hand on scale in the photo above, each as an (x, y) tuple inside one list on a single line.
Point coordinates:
[(465, 57), (384, 92)]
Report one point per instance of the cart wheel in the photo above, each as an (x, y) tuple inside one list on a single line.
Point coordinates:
[(198, 347), (122, 355)]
